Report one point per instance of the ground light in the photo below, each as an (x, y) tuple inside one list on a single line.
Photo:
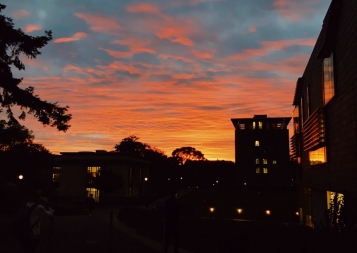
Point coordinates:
[(21, 177), (211, 209), (146, 179), (267, 212), (239, 210), (297, 213)]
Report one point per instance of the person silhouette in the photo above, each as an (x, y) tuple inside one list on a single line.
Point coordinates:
[(39, 213), (171, 218)]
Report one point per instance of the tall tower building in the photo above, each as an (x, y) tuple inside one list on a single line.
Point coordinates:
[(262, 152)]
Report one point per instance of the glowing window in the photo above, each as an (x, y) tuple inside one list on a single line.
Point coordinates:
[(265, 161), (317, 156), (328, 79), (257, 143), (257, 161), (93, 191), (265, 170), (56, 174), (274, 161), (257, 170), (93, 171), (253, 125), (260, 124)]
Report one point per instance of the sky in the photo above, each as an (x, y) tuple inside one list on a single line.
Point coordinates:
[(172, 72)]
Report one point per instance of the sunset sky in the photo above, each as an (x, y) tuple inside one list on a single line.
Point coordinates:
[(173, 72)]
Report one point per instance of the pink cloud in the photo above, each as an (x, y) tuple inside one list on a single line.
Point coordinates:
[(20, 14), (202, 55), (32, 28), (143, 8), (295, 10), (75, 37), (252, 29), (100, 23), (117, 54), (136, 45)]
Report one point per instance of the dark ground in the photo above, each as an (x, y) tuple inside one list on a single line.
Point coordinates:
[(74, 234)]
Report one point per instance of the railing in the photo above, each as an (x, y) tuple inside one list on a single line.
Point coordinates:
[(314, 130)]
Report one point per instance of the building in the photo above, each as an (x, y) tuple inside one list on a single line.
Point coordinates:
[(324, 144), (74, 175), (262, 152)]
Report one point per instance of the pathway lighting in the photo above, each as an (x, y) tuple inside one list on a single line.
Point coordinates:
[(21, 177), (267, 212), (211, 209), (239, 210)]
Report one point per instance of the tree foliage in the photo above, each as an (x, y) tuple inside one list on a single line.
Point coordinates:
[(12, 134), (13, 43), (187, 153)]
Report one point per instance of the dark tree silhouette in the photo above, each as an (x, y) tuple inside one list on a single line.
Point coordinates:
[(187, 153), (12, 134), (13, 43), (132, 147)]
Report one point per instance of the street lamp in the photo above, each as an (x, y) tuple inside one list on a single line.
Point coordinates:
[(21, 177)]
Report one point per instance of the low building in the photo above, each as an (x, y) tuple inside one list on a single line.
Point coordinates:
[(262, 152), (75, 175)]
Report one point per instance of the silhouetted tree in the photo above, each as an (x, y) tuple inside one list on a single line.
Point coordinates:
[(132, 147), (13, 43), (12, 133), (187, 153)]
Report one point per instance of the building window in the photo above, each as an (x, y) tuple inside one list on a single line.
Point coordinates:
[(257, 143), (328, 79), (93, 171), (257, 161), (254, 125), (257, 170), (265, 170), (56, 174), (265, 161), (274, 161), (317, 156), (93, 191), (260, 124)]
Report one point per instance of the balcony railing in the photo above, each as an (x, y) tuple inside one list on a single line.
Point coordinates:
[(314, 130), (296, 146)]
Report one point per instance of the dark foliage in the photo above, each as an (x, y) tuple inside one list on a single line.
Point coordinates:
[(187, 153), (107, 181), (13, 43)]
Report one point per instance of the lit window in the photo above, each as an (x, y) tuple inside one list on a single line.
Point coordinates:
[(257, 170), (56, 174), (93, 171), (253, 125), (265, 170), (94, 192), (257, 161), (257, 143), (265, 161), (328, 79), (317, 156), (260, 125), (274, 161)]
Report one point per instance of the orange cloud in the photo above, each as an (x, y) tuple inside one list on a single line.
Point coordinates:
[(20, 14), (32, 28), (75, 37), (100, 23), (252, 29), (136, 45)]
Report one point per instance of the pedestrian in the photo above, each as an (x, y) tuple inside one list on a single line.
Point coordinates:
[(91, 203), (172, 207), (38, 213)]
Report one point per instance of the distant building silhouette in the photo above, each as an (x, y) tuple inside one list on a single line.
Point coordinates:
[(262, 152), (324, 143), (73, 174)]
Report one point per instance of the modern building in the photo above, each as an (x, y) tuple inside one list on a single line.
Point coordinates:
[(262, 152), (324, 143), (75, 173)]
